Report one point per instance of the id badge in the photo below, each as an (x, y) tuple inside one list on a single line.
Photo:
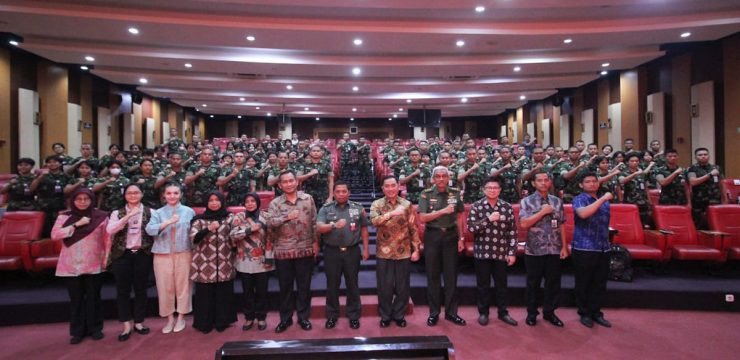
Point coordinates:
[(449, 183), (421, 183), (554, 223), (716, 179), (642, 186), (352, 226), (57, 188), (451, 201)]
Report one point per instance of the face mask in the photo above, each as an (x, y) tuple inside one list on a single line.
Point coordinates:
[(115, 171)]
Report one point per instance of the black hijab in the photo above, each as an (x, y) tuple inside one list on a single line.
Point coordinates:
[(254, 215), (211, 215), (96, 217)]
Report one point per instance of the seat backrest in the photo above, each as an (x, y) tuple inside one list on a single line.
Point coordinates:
[(654, 196), (725, 218), (625, 218), (265, 199), (520, 231), (732, 191), (199, 210), (419, 225), (17, 227), (678, 220), (469, 238), (570, 223)]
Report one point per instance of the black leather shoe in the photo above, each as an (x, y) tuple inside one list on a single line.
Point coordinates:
[(483, 319), (455, 320), (432, 320), (508, 319), (248, 326), (74, 340), (305, 325), (354, 324), (141, 331), (553, 319), (586, 321), (385, 323), (124, 336), (261, 325), (531, 320), (330, 323), (401, 322), (283, 325), (97, 335), (601, 321)]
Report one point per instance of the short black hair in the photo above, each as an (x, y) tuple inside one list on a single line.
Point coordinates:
[(671, 151), (340, 183), (285, 172), (52, 157), (587, 174), (496, 179), (382, 181), (700, 149), (25, 160), (57, 143)]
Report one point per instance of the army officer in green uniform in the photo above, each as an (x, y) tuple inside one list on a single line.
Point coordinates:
[(19, 189), (439, 207)]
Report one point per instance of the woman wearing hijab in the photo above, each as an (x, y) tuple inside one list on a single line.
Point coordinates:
[(82, 262), (254, 260), (130, 259), (170, 227), (212, 268)]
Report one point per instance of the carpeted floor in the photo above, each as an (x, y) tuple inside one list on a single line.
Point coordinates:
[(637, 334)]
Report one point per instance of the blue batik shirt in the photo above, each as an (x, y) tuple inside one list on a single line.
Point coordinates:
[(591, 233)]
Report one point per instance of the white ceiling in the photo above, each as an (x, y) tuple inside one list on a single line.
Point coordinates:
[(408, 52)]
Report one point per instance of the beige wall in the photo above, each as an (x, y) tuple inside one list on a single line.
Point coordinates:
[(732, 106), (6, 138), (628, 94), (681, 98), (577, 128), (53, 89), (602, 111), (87, 107), (555, 129)]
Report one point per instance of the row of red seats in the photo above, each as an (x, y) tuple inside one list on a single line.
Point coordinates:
[(676, 237)]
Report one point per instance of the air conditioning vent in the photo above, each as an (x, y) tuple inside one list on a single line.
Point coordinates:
[(461, 77), (248, 76)]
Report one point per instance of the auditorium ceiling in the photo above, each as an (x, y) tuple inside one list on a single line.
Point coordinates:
[(360, 58)]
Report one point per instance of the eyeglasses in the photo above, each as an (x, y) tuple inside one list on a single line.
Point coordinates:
[(492, 188)]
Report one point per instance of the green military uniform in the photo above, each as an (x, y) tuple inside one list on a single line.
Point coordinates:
[(348, 158), (571, 187), (151, 195), (635, 192), (609, 186), (239, 186), (21, 197), (95, 164), (65, 159), (318, 185), (363, 155), (50, 196), (452, 169), (659, 160), (104, 162), (509, 191), (203, 185), (675, 192), (473, 183), (275, 172), (704, 194), (392, 157), (112, 195), (434, 150), (415, 186), (650, 180), (175, 145)]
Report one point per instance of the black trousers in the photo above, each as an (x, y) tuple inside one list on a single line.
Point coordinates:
[(591, 270), (483, 271), (132, 270), (547, 267), (254, 288), (86, 315), (338, 263), (394, 286), (440, 256), (213, 305), (295, 272)]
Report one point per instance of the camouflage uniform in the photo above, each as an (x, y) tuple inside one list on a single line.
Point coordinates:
[(239, 186), (348, 158), (203, 185), (363, 154), (390, 158), (509, 191), (65, 159), (675, 192), (415, 186), (174, 145), (704, 194), (473, 183), (570, 188), (609, 186), (95, 164), (179, 179), (275, 171), (453, 169), (50, 192), (151, 195), (635, 192), (318, 185), (19, 192), (112, 195)]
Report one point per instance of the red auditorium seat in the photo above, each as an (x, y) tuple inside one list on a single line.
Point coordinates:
[(570, 223), (17, 230), (265, 199), (683, 242), (45, 254), (732, 191), (236, 209), (469, 238), (4, 179), (419, 225), (199, 210), (520, 231), (725, 220), (654, 196), (625, 218)]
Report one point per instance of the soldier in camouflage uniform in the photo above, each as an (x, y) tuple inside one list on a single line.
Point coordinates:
[(87, 154), (452, 168), (705, 179), (317, 177), (472, 175), (59, 149), (348, 156), (105, 160), (632, 180), (201, 178), (672, 180), (111, 189), (608, 180), (364, 158), (19, 189), (395, 159), (49, 189), (274, 174), (173, 172), (174, 144), (660, 157), (237, 180), (508, 172), (567, 172), (147, 181), (416, 176), (86, 179), (528, 170)]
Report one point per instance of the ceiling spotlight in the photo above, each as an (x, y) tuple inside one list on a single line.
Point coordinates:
[(305, 109), (686, 34), (464, 100), (289, 87), (400, 109), (205, 105), (84, 67), (143, 80), (522, 97), (188, 65), (517, 68), (351, 119), (605, 65), (355, 88), (250, 38), (604, 72), (269, 114), (354, 109), (568, 41), (460, 43), (480, 9), (389, 119), (211, 116), (408, 101), (357, 41), (395, 116), (317, 119), (133, 31), (257, 108), (89, 58), (239, 117), (13, 42), (356, 71), (241, 99)]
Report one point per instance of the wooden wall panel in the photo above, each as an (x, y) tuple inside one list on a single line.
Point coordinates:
[(731, 128), (86, 102), (53, 89), (7, 140), (630, 111), (680, 109), (603, 99)]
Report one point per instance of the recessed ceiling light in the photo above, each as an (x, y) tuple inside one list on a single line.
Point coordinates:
[(239, 117), (250, 38), (351, 119), (13, 42), (480, 9), (395, 116), (354, 109), (357, 41), (83, 67), (522, 97), (605, 65), (89, 58), (686, 34), (389, 119), (460, 43), (188, 65), (317, 119), (355, 88), (257, 108), (305, 109), (400, 109), (133, 30), (356, 71), (241, 99), (464, 100), (604, 72), (289, 87), (211, 116), (269, 114), (196, 109), (143, 80), (204, 105), (517, 68), (408, 101), (568, 40)]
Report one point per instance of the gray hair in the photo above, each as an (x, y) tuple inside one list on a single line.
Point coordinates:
[(439, 169)]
